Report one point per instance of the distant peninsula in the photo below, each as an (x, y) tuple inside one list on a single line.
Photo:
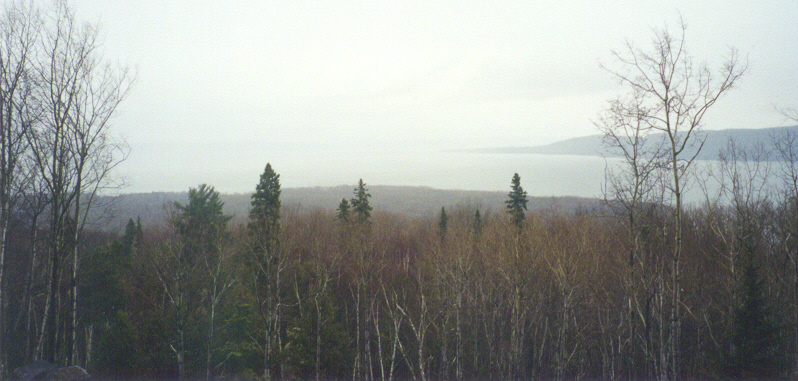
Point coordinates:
[(715, 141)]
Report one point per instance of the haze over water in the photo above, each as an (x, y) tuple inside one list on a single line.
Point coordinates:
[(401, 165), (330, 92)]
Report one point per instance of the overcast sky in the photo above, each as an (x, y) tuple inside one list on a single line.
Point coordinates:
[(224, 87)]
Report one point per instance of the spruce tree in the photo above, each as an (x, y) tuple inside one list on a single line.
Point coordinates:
[(129, 238), (265, 213), (755, 338), (139, 231), (360, 203), (264, 229), (443, 222), (516, 204), (342, 214), (477, 226)]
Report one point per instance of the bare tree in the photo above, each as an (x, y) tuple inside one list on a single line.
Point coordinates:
[(786, 150), (629, 186), (34, 204), (223, 275), (676, 94), (419, 325), (326, 269), (73, 148), (395, 318), (789, 113), (630, 189), (19, 32), (175, 273)]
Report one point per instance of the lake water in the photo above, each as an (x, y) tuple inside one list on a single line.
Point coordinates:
[(239, 170)]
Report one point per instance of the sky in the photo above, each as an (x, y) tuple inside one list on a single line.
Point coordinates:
[(223, 88)]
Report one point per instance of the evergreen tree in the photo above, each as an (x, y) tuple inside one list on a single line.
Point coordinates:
[(201, 221), (477, 224), (265, 213), (360, 203), (443, 221), (264, 228), (130, 239), (139, 232), (342, 214), (516, 204), (105, 308), (757, 349), (194, 292)]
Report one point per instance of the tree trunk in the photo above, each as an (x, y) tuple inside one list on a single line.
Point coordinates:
[(73, 327), (459, 335), (267, 351), (211, 321), (356, 367), (515, 333), (795, 291), (48, 334), (31, 337), (180, 352), (3, 230), (675, 318), (89, 344), (318, 337)]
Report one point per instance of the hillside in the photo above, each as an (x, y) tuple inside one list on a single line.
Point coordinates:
[(716, 140), (413, 201)]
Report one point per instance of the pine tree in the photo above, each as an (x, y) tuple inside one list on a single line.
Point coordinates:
[(360, 203), (516, 204)]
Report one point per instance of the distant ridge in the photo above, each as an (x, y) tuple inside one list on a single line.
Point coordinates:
[(408, 200), (716, 140)]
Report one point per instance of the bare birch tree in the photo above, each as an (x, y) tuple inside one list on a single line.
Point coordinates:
[(19, 31), (73, 148), (630, 188), (676, 93), (223, 275), (174, 273)]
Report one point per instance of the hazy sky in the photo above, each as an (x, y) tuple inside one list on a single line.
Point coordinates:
[(224, 87)]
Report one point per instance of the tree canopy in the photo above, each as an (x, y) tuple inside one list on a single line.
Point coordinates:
[(202, 220)]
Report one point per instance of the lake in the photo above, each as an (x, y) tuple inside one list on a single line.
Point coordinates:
[(238, 170), (232, 171)]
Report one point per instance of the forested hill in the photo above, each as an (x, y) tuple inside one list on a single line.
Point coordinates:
[(716, 140), (413, 201)]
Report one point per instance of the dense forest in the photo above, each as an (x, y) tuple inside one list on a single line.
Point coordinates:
[(353, 292), (646, 286)]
